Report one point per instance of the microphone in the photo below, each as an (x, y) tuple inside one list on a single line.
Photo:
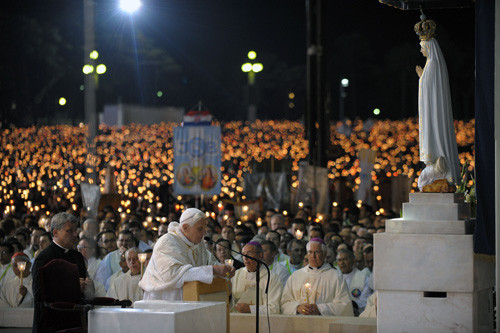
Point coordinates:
[(206, 238), (257, 279)]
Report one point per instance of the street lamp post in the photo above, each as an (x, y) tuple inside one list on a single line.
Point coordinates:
[(251, 69), (344, 83)]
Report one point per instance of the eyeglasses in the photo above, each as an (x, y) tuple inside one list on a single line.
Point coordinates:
[(81, 247)]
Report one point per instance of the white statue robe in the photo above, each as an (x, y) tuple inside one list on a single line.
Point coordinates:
[(436, 130), (10, 296), (126, 286), (175, 260), (243, 290), (327, 291)]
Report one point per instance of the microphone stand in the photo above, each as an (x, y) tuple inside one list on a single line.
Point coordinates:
[(259, 262)]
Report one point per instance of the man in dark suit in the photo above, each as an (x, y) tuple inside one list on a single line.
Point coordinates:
[(65, 238)]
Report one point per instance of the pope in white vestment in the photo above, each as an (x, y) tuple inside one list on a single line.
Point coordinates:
[(244, 285), (436, 130), (180, 256), (316, 289)]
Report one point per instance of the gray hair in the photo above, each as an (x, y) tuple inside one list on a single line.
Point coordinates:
[(349, 253), (323, 246), (132, 249), (60, 219)]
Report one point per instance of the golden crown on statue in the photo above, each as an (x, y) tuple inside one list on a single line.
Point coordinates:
[(425, 29)]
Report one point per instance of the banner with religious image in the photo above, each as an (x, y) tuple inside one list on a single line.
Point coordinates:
[(366, 162), (197, 160)]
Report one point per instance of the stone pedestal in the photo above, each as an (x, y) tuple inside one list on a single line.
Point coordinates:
[(426, 274)]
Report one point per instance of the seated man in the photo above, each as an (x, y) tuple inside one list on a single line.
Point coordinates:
[(111, 262), (180, 256), (13, 294), (316, 289), (296, 249), (126, 286), (244, 284), (270, 252), (354, 279)]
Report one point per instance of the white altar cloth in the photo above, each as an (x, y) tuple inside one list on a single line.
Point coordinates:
[(161, 316)]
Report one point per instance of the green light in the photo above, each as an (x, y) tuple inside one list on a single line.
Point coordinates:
[(82, 87), (62, 101), (87, 69), (376, 111), (257, 67), (246, 67), (159, 93), (94, 55), (252, 55), (100, 69)]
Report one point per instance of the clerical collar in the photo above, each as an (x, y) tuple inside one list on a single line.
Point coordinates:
[(65, 249), (184, 238), (314, 267)]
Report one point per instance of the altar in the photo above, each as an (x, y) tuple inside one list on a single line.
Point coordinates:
[(160, 316)]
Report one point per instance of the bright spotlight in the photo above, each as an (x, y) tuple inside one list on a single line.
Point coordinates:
[(257, 67), (100, 69), (376, 111), (130, 6), (345, 82), (62, 101), (87, 69), (246, 67), (252, 55)]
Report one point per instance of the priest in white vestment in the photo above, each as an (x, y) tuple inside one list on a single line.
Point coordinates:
[(126, 286), (12, 294), (244, 285), (355, 280), (316, 289), (180, 256), (437, 139)]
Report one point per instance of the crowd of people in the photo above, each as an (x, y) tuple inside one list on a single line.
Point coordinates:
[(316, 268), (319, 264), (42, 167)]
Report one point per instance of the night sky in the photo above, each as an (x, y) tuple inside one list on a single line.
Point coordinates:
[(193, 50)]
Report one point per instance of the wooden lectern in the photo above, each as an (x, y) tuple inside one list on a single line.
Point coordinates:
[(219, 291)]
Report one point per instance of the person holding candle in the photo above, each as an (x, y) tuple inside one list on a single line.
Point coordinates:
[(244, 284), (180, 256), (316, 289), (17, 292)]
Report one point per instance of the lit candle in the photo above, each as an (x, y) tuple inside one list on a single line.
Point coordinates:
[(21, 266), (142, 259), (259, 222), (158, 205), (229, 262), (308, 288), (299, 234)]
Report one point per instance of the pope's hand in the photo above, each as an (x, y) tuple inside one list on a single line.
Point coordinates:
[(223, 270), (242, 307)]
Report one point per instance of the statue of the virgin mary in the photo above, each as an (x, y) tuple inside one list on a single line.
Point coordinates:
[(438, 144)]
